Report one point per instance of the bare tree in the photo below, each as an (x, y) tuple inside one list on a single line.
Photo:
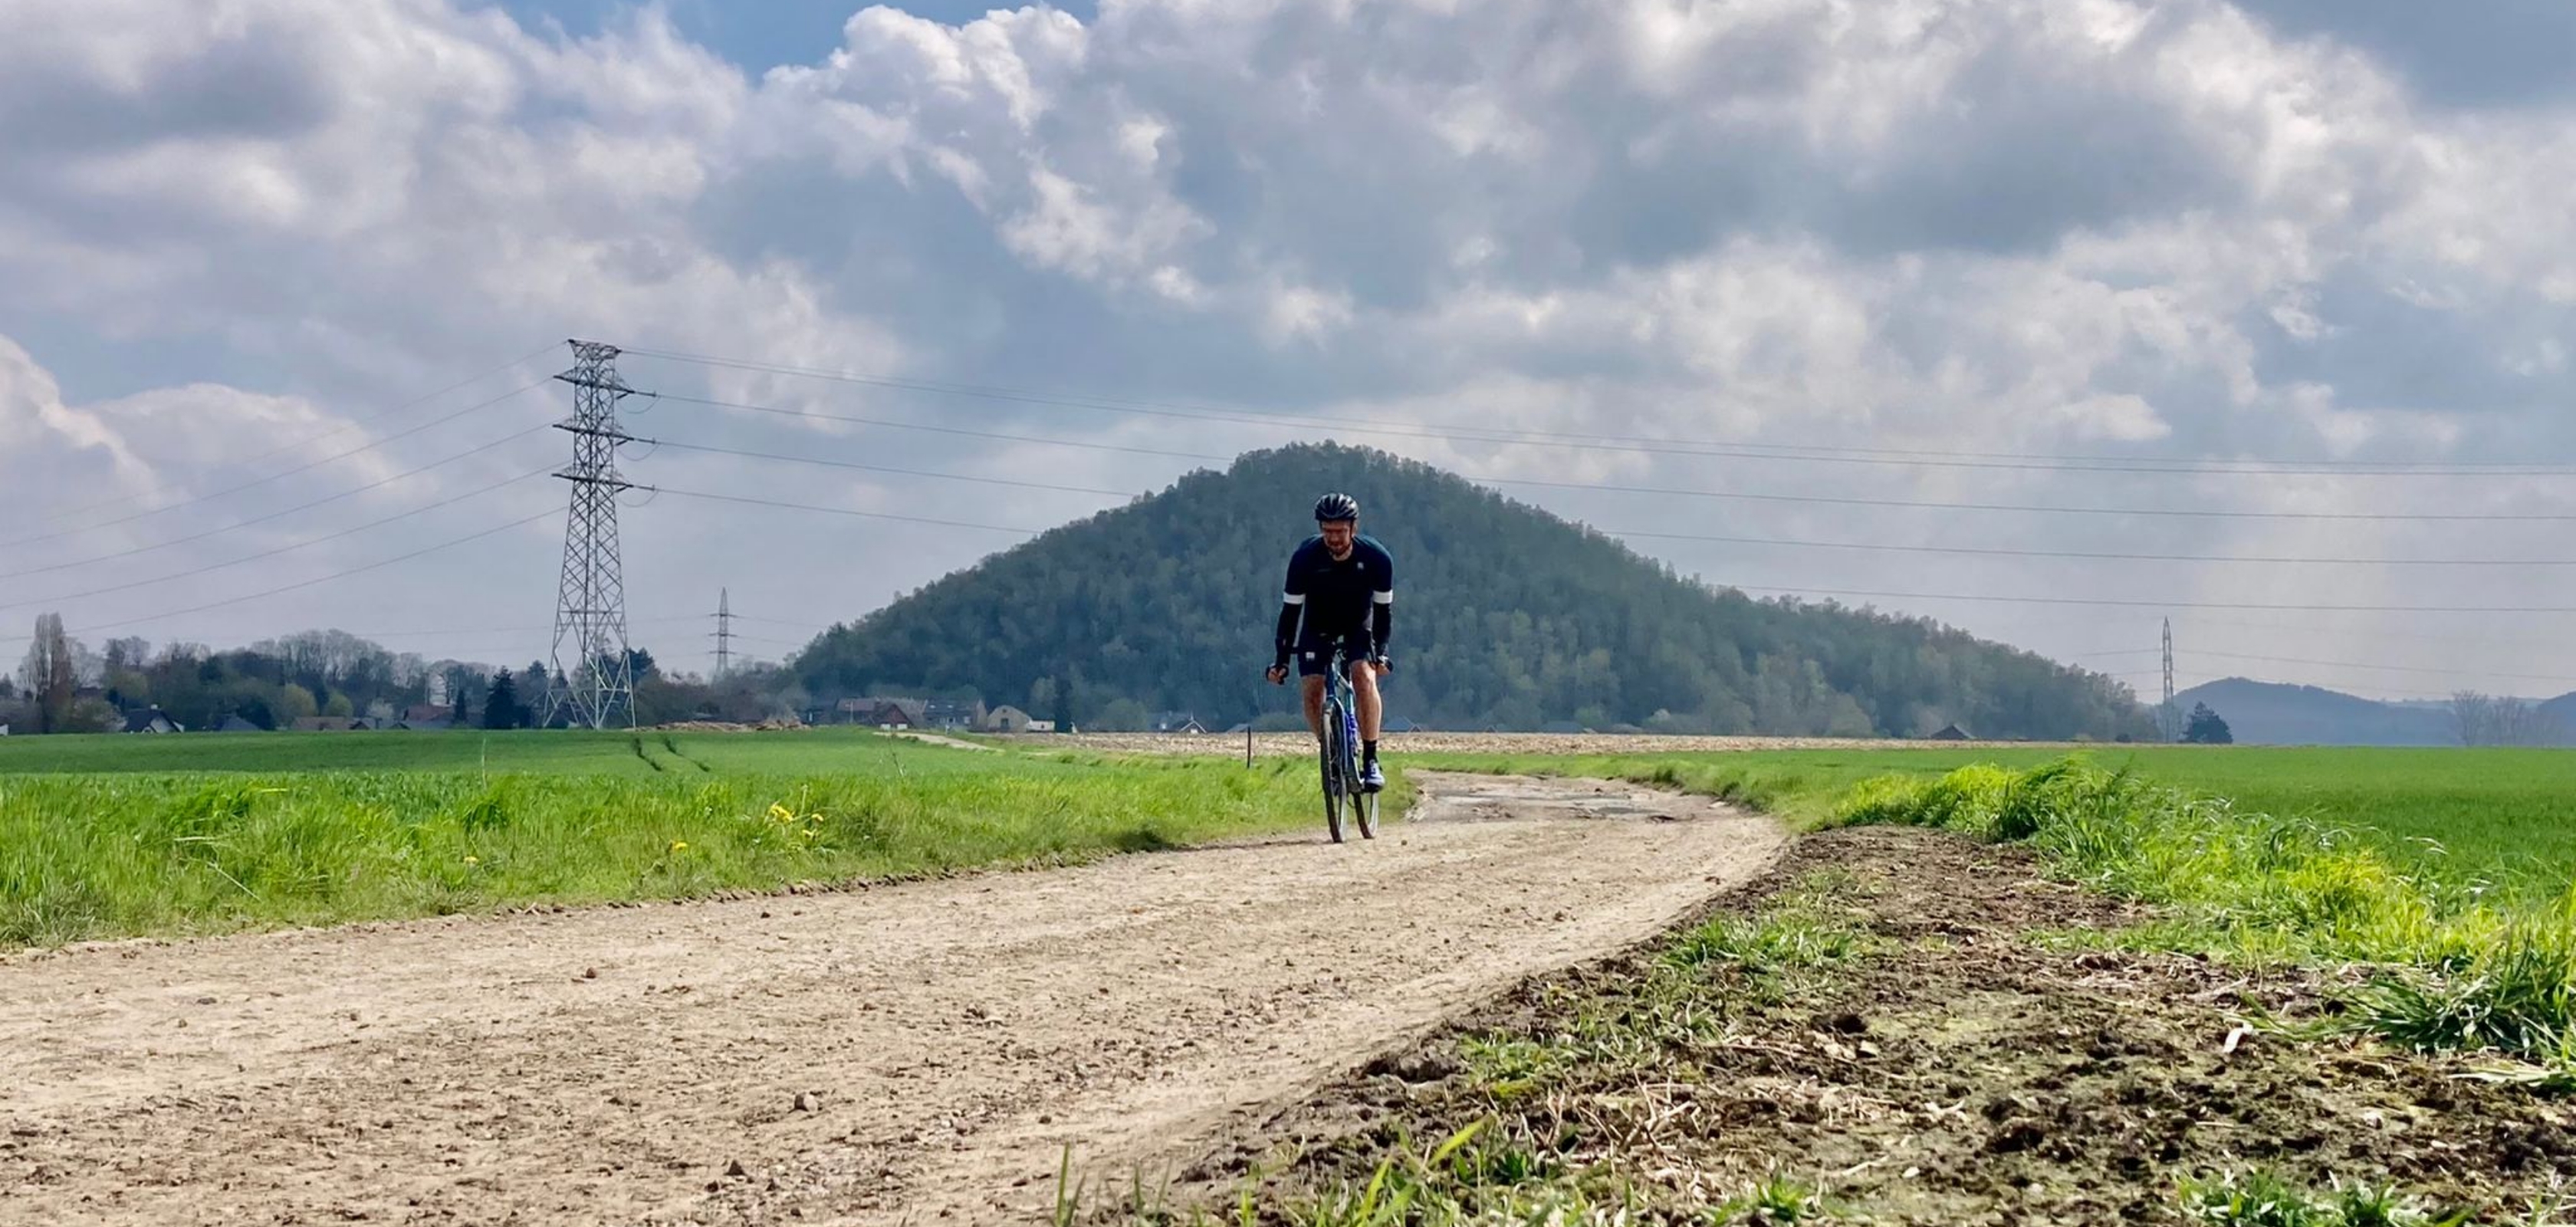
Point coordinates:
[(2485, 720), (49, 675)]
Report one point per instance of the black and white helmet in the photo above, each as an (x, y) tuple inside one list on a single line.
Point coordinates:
[(1336, 506)]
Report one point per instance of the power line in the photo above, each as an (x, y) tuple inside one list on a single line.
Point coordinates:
[(324, 579), (775, 643), (1827, 453), (524, 629), (852, 419), (1744, 496), (2410, 636), (1919, 505), (59, 598), (879, 468), (841, 511), (2333, 664), (1878, 546), (274, 515), (2160, 604), (342, 428), (2203, 679), (1979, 597), (2000, 552), (190, 502), (1739, 451), (2346, 664), (802, 626)]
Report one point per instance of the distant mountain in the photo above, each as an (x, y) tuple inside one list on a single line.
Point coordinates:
[(1505, 616), (2270, 713), (2564, 708)]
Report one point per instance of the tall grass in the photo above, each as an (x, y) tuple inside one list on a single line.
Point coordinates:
[(2507, 817), (113, 855), (2456, 967)]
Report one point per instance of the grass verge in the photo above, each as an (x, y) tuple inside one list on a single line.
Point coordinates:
[(90, 856), (2040, 1021), (2449, 966), (2504, 818)]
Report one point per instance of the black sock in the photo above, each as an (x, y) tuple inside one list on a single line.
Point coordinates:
[(1371, 748)]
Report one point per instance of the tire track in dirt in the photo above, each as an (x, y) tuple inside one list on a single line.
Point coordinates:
[(919, 1053)]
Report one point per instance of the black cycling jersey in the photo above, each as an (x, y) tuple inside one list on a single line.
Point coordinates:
[(1338, 598)]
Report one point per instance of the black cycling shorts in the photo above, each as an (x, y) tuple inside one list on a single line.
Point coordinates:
[(1315, 649)]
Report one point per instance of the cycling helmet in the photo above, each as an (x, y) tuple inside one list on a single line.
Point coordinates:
[(1336, 507)]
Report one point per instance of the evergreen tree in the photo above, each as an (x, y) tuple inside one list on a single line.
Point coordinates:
[(501, 706), (2206, 729)]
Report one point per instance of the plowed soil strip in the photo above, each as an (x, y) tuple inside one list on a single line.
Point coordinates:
[(914, 1052)]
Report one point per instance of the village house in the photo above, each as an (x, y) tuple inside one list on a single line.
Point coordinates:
[(151, 720)]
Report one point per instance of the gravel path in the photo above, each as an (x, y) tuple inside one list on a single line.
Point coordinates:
[(918, 1052)]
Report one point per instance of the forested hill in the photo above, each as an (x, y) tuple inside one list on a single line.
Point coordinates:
[(1505, 616)]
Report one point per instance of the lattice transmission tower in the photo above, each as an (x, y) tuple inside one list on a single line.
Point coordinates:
[(2168, 716), (724, 632), (598, 679)]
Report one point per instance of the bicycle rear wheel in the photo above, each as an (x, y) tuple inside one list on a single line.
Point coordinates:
[(1364, 806)]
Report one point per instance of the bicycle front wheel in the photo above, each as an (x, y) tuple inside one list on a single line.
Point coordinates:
[(1332, 771)]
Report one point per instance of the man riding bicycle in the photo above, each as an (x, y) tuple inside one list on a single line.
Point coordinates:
[(1344, 585)]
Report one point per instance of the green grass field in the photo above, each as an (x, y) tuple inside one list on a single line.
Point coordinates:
[(121, 836), (2504, 815)]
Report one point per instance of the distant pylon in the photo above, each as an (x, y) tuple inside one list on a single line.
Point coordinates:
[(598, 679), (2167, 715), (724, 632)]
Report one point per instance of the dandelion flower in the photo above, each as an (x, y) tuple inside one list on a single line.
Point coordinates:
[(679, 845), (473, 860)]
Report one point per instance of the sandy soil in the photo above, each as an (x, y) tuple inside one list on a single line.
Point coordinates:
[(920, 1053)]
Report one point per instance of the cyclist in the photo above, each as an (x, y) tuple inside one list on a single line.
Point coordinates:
[(1344, 585)]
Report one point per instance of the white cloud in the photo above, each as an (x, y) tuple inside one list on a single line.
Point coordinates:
[(2021, 226), (66, 448)]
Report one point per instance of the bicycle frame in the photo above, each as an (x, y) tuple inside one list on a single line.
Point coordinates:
[(1341, 769)]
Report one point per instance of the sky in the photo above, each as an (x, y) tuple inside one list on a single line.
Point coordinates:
[(2049, 319)]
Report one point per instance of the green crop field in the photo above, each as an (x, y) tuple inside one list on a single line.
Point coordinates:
[(114, 835), (639, 755), (120, 836), (2504, 815)]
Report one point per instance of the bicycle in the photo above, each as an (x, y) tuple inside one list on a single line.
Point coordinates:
[(1341, 768)]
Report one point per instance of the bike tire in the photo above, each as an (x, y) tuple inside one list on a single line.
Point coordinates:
[(1332, 771), (1364, 807)]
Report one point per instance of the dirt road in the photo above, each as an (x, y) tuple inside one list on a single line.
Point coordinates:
[(914, 1053)]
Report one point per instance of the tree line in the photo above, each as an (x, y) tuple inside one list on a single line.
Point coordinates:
[(64, 685)]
